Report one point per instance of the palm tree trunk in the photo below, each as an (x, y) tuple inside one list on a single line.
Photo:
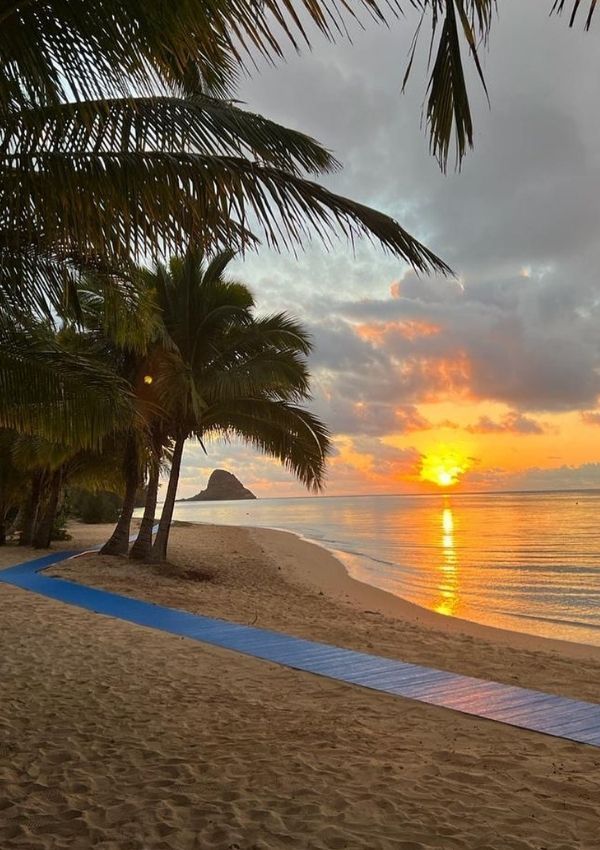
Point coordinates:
[(118, 544), (43, 529), (159, 550), (142, 547), (31, 508)]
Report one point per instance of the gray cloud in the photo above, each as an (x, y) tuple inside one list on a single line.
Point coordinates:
[(511, 423), (519, 225)]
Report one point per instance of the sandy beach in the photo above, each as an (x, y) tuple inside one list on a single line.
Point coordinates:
[(123, 738)]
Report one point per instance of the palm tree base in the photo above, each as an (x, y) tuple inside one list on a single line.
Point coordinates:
[(115, 547)]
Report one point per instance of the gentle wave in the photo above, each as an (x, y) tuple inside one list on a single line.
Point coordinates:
[(529, 562)]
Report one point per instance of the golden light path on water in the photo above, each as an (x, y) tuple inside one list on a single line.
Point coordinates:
[(449, 582), (523, 561)]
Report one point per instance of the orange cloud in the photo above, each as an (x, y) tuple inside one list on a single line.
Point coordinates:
[(375, 462), (410, 329), (590, 417), (439, 377)]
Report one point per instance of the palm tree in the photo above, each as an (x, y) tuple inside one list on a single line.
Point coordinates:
[(67, 390), (104, 156), (227, 373), (125, 324), (12, 481), (118, 542)]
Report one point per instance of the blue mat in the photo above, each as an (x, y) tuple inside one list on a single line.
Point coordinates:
[(572, 719)]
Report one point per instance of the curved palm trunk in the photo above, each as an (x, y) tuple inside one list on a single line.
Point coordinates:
[(31, 509), (159, 550), (118, 544), (43, 529), (142, 547)]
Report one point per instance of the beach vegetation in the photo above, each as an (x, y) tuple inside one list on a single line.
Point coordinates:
[(224, 372), (185, 356), (121, 141)]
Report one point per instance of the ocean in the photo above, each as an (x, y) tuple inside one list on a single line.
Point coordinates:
[(529, 562)]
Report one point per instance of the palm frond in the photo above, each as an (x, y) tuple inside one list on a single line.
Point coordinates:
[(61, 49), (104, 203), (299, 440), (448, 110), (276, 375), (558, 8), (196, 124), (282, 331), (120, 311), (64, 397)]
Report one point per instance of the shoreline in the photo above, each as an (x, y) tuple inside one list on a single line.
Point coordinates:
[(282, 582), (321, 570), (330, 575), (120, 736)]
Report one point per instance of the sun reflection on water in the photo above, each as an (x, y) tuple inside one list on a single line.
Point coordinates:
[(448, 580)]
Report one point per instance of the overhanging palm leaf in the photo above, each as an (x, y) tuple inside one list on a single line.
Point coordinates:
[(197, 123), (102, 203), (62, 396), (95, 169), (109, 46), (297, 438), (58, 50), (559, 6)]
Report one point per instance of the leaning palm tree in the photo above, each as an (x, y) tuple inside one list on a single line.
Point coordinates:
[(228, 374), (125, 325)]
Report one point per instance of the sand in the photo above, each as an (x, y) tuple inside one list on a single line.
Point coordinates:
[(123, 738)]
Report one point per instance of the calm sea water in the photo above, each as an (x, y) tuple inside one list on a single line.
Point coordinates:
[(523, 561)]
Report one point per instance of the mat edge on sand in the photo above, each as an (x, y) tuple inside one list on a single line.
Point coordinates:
[(537, 711)]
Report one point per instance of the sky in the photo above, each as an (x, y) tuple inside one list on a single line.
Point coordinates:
[(490, 381)]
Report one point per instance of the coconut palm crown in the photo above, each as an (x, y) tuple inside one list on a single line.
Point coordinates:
[(226, 373)]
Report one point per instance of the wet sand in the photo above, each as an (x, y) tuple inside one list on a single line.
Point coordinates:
[(123, 738)]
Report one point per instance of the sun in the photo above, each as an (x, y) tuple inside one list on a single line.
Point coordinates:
[(444, 466), (445, 478)]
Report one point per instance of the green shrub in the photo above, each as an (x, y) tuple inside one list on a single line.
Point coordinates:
[(95, 507)]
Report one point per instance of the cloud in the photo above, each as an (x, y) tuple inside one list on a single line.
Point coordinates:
[(519, 327), (511, 423), (590, 417), (582, 477), (369, 461), (502, 349), (372, 418)]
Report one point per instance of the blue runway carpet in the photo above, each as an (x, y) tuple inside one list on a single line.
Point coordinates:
[(533, 710)]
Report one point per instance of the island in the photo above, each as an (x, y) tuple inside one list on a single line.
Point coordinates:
[(222, 485)]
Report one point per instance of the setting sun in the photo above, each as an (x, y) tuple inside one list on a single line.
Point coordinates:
[(444, 467)]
